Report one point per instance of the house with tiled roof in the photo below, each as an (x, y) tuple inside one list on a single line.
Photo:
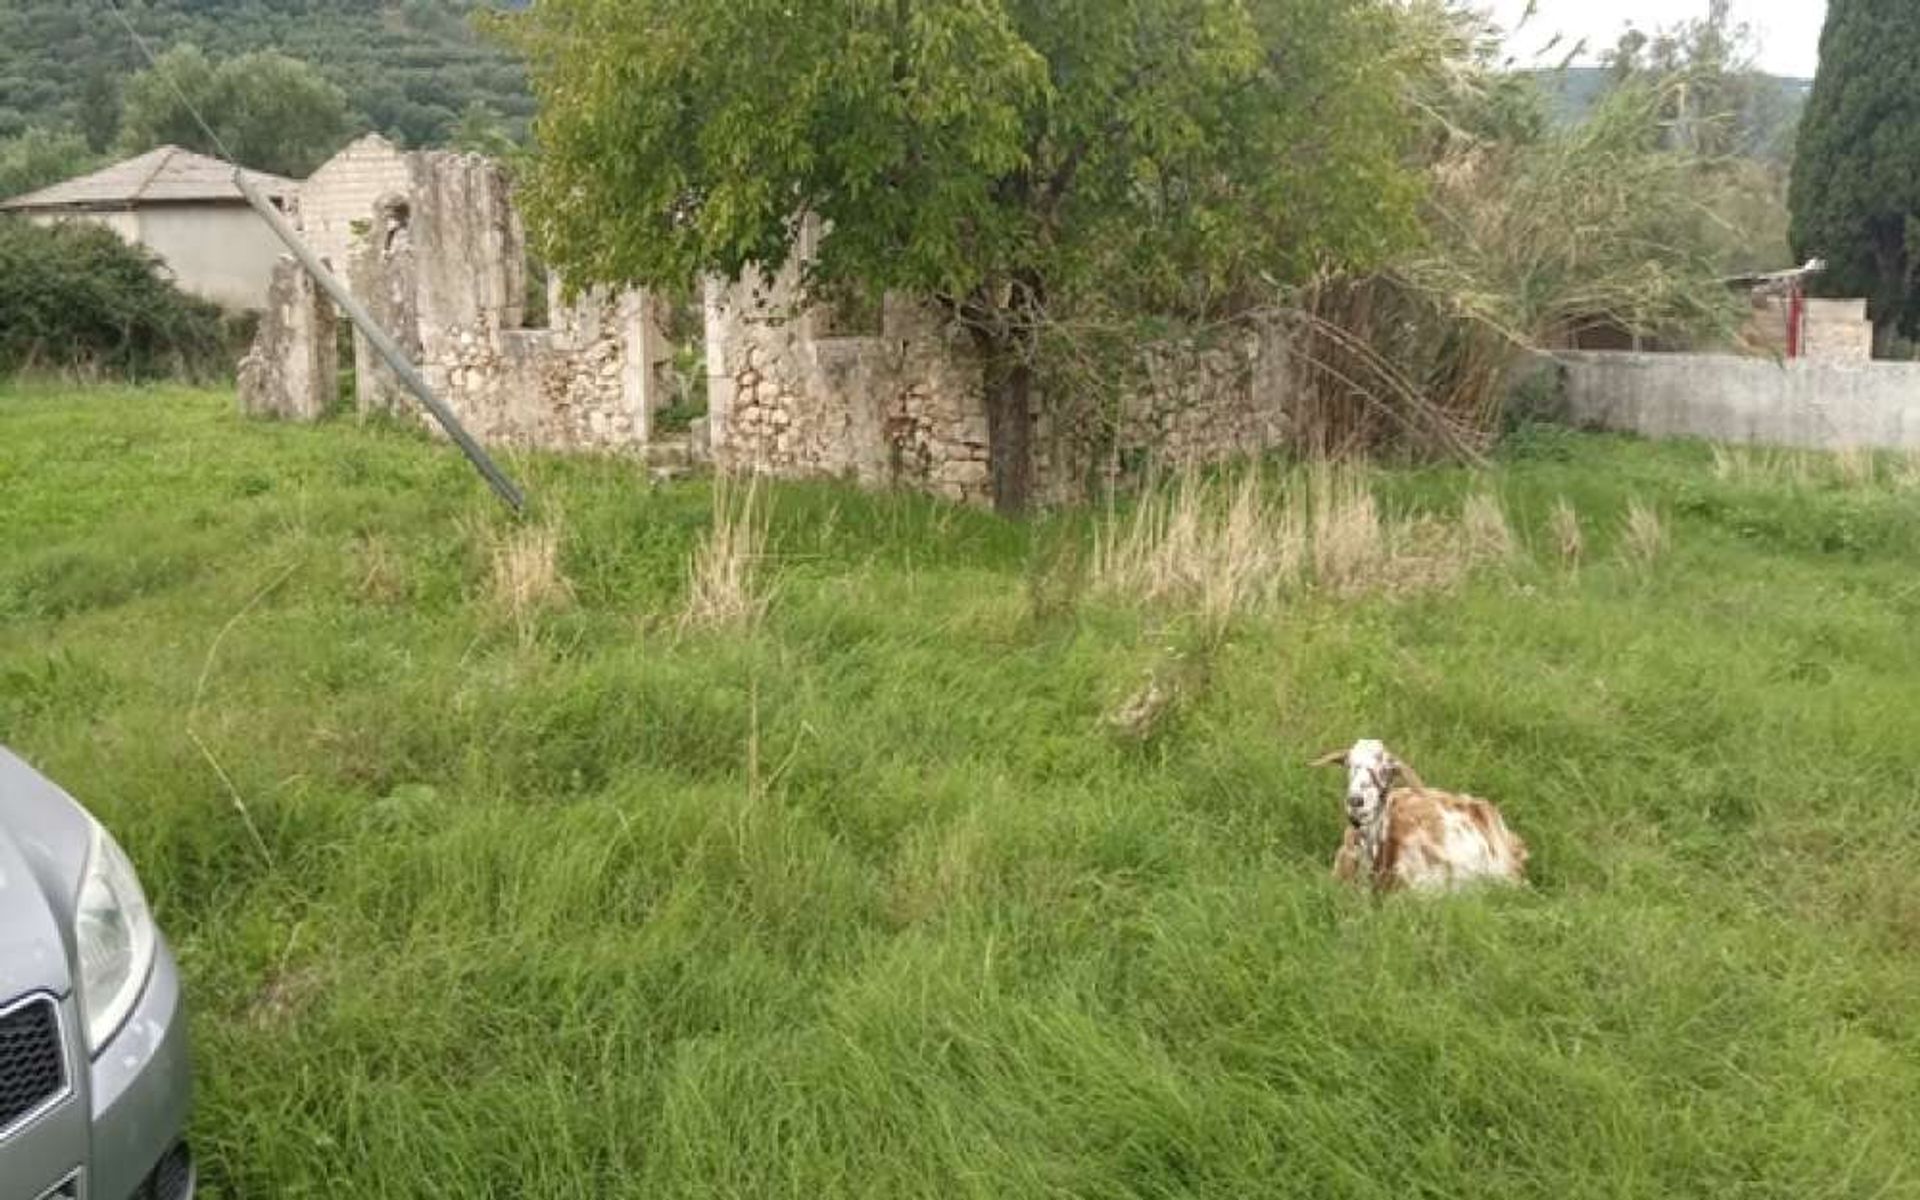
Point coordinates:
[(186, 209)]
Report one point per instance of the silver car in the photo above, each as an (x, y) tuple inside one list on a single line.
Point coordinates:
[(94, 1081)]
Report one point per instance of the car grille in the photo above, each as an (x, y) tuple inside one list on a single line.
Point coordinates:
[(33, 1066)]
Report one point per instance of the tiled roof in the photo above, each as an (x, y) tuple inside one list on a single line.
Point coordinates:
[(168, 175)]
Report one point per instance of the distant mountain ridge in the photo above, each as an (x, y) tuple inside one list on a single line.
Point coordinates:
[(1572, 92), (410, 67)]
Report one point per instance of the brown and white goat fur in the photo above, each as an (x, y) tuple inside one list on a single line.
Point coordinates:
[(1414, 836)]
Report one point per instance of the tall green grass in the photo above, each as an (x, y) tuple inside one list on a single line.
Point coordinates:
[(509, 889)]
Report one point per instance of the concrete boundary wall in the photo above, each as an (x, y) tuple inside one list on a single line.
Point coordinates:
[(1806, 404)]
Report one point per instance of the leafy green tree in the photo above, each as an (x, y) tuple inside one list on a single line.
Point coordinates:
[(1009, 160), (271, 112), (1855, 197), (75, 296), (1716, 103), (40, 157), (483, 131), (100, 109)]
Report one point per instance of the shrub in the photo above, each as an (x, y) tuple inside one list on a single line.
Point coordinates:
[(76, 298)]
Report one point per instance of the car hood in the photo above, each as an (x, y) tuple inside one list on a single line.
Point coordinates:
[(44, 840), (33, 954)]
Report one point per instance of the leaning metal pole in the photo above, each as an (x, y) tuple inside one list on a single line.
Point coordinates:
[(389, 350)]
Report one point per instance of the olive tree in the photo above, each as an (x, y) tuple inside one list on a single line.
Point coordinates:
[(271, 112), (1007, 160)]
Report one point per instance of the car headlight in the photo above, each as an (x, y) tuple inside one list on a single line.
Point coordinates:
[(116, 938)]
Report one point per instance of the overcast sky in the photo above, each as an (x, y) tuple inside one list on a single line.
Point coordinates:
[(1788, 30)]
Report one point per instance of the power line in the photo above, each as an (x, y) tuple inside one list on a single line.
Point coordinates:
[(186, 101), (507, 490)]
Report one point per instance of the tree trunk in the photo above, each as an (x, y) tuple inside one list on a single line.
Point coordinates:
[(1009, 396), (1889, 297), (1886, 327)]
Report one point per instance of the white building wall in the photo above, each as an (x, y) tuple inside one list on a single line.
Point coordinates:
[(219, 252), (123, 223), (1802, 403), (224, 253)]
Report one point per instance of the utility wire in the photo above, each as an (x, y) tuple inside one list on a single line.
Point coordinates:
[(409, 374), (186, 101)]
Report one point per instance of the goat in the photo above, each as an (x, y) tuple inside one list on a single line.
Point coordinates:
[(1414, 836)]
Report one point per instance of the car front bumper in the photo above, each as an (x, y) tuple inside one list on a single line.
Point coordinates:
[(120, 1132)]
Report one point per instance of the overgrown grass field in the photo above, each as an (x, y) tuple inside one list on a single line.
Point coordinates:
[(984, 861)]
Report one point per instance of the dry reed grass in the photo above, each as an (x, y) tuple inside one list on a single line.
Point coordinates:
[(524, 577), (1854, 466), (1643, 537), (1222, 547), (1906, 472), (1857, 466), (1484, 531), (726, 588), (1564, 523), (383, 573), (1749, 464)]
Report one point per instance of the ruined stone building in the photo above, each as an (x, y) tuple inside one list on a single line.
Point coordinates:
[(430, 243), (901, 402)]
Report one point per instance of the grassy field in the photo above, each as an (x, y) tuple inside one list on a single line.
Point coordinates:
[(491, 881)]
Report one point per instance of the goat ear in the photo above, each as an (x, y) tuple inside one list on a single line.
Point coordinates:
[(1332, 758), (1405, 773)]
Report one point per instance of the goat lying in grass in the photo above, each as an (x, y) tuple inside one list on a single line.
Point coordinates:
[(1416, 837)]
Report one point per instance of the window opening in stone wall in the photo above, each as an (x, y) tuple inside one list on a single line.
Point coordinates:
[(848, 311), (535, 311)]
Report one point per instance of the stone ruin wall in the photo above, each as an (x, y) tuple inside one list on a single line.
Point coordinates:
[(336, 204), (900, 408), (1839, 331), (577, 386), (437, 255), (1832, 330), (292, 369), (450, 270), (904, 406), (431, 244)]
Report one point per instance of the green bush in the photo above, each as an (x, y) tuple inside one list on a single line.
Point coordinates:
[(76, 298)]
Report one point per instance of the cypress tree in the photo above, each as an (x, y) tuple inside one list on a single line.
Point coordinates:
[(1855, 197)]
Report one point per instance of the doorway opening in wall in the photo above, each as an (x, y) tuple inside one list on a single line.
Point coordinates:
[(686, 329), (346, 378)]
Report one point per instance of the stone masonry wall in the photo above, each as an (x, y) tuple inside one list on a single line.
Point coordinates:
[(342, 193), (1839, 331), (291, 370), (431, 245), (903, 408), (569, 388), (907, 408)]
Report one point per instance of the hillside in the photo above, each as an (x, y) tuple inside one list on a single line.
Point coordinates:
[(411, 67), (489, 889), (1572, 92)]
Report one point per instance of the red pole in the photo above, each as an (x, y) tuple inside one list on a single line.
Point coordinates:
[(1796, 316)]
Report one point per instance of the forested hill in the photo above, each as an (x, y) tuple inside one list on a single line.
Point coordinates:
[(410, 67), (1572, 92)]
